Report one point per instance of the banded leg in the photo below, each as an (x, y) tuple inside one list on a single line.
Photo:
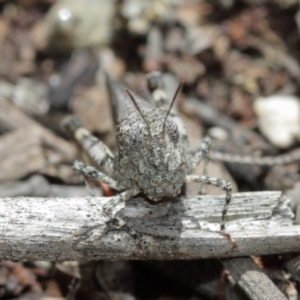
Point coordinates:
[(116, 203), (225, 186), (201, 153), (92, 172), (95, 148), (220, 183), (206, 161)]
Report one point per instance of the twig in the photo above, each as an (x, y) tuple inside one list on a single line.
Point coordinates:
[(216, 118), (252, 280), (38, 186), (76, 228)]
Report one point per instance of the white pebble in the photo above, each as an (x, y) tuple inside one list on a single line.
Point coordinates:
[(279, 119)]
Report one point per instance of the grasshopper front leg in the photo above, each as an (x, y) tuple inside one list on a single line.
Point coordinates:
[(225, 186), (113, 205), (202, 153), (219, 183), (116, 203)]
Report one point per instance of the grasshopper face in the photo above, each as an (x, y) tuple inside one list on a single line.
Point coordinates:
[(155, 154)]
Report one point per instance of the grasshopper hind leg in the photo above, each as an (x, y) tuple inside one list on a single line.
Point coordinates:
[(91, 145)]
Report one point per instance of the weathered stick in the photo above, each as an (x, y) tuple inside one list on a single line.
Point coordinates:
[(38, 186), (73, 229), (252, 280), (211, 116)]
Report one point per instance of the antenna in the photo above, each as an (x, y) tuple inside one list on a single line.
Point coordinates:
[(172, 103), (139, 110)]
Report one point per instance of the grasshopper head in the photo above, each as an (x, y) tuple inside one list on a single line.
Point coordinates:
[(159, 155), (158, 152)]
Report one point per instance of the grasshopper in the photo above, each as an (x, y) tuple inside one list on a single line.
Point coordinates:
[(152, 153)]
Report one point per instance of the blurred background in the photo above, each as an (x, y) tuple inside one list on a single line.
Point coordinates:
[(240, 63)]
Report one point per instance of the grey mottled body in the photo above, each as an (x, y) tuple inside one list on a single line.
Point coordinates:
[(152, 154)]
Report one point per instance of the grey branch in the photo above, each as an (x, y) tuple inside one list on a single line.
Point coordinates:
[(38, 186), (252, 280), (58, 229)]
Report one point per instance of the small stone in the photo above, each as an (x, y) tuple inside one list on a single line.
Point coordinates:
[(279, 119)]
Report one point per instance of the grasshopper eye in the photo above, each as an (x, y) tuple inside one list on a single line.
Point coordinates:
[(172, 131)]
